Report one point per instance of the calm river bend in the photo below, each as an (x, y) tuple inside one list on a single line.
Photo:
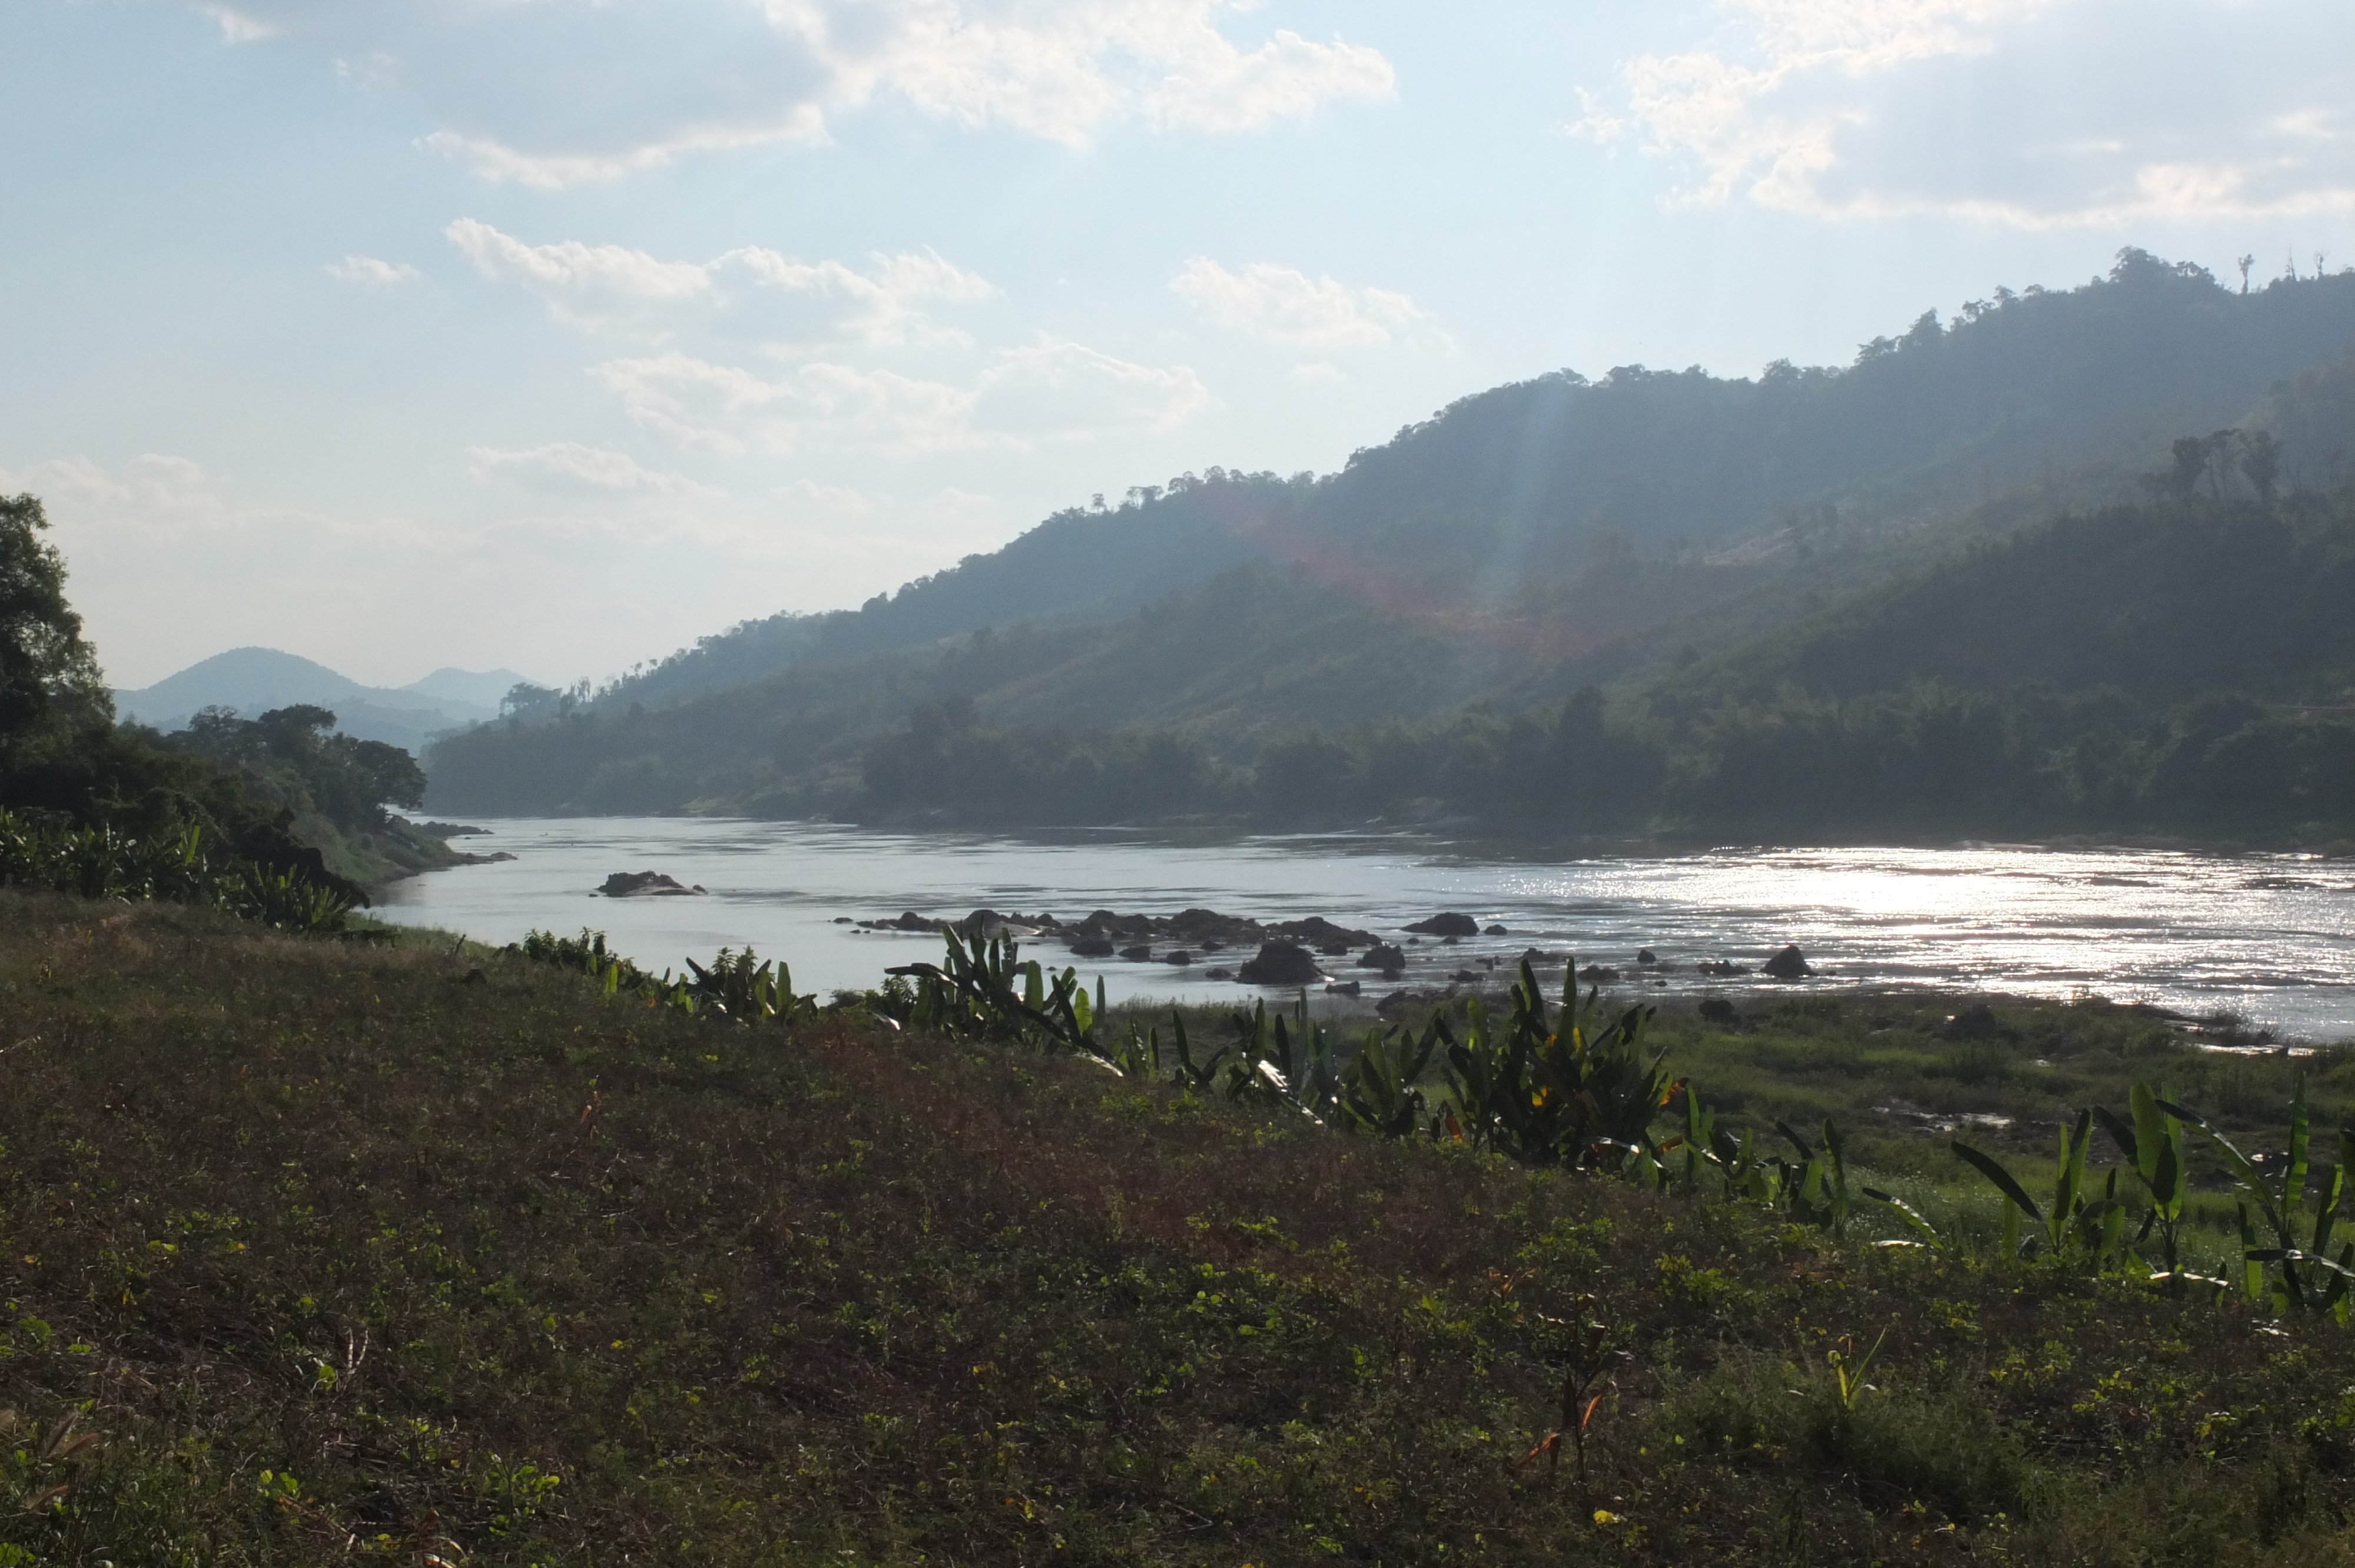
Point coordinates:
[(2271, 938)]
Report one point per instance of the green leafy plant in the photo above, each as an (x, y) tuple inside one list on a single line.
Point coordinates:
[(2091, 1228), (2290, 1275)]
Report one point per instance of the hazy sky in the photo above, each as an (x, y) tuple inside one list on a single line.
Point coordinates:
[(554, 333)]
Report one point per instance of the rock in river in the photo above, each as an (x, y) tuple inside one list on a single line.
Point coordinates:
[(1282, 963), (645, 885)]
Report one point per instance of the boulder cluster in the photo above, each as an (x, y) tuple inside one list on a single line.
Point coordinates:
[(1288, 954), (642, 884)]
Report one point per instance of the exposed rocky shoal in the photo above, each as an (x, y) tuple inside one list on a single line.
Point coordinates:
[(646, 884), (1308, 952)]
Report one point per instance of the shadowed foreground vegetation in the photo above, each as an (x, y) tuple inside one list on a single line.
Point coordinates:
[(320, 1253)]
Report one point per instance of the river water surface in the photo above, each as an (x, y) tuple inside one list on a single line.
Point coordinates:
[(2270, 937)]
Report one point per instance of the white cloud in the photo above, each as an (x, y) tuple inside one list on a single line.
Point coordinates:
[(598, 286), (1286, 306), (808, 495), (1045, 392), (2026, 113), (236, 27), (372, 272), (1727, 115), (1053, 390), (559, 94), (501, 164), (569, 273), (97, 510), (1059, 69), (570, 466)]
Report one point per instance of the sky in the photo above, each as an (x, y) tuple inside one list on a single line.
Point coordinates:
[(553, 335)]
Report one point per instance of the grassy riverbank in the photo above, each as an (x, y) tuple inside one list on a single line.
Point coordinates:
[(319, 1252)]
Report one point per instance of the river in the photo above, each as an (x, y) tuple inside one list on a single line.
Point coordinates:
[(2268, 938)]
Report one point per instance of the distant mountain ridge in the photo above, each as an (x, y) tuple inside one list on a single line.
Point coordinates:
[(253, 681)]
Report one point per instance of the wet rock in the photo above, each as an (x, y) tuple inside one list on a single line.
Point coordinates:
[(1447, 926), (1719, 968), (1382, 956), (1218, 974), (1538, 960), (1645, 957), (1320, 933), (1498, 931), (1343, 988), (1137, 954), (645, 884), (1179, 956), (1788, 965), (1092, 948), (844, 920), (1466, 977), (1598, 973), (1281, 963), (910, 921)]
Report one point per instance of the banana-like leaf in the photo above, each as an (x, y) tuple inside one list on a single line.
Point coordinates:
[(2123, 1136), (1908, 1213), (1986, 1167), (2299, 1254), (2296, 1160)]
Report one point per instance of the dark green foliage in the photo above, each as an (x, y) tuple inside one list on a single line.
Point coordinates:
[(1052, 776), (289, 758), (737, 986), (1933, 1446), (50, 686), (111, 808), (51, 856), (1915, 710)]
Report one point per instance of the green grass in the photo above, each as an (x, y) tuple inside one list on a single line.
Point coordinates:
[(342, 1257)]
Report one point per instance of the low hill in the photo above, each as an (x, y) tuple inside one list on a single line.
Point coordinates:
[(252, 681), (321, 1252), (477, 688)]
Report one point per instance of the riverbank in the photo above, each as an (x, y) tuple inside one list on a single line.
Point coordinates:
[(320, 1250)]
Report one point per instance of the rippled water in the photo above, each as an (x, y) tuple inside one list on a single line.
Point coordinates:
[(2269, 936)]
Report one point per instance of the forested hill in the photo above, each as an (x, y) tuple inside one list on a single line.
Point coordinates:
[(1534, 481), (1304, 649), (1079, 565)]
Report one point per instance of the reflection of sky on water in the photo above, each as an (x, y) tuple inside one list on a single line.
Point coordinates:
[(2270, 937)]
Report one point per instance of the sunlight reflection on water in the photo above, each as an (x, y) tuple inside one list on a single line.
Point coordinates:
[(2269, 936)]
